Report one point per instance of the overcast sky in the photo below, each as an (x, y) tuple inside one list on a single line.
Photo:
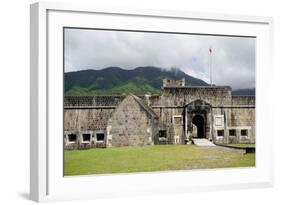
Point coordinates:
[(233, 58)]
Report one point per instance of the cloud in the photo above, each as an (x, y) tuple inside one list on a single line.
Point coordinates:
[(233, 58)]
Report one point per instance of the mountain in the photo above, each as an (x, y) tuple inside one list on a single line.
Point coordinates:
[(115, 80), (248, 91)]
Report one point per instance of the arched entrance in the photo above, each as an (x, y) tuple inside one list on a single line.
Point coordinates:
[(199, 122)]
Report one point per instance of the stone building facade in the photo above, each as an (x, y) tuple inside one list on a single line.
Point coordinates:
[(180, 114)]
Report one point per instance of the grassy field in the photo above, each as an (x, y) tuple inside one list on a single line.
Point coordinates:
[(152, 158)]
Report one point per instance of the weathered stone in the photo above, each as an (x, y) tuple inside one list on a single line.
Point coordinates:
[(132, 123), (165, 119)]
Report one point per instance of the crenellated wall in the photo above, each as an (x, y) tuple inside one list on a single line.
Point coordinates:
[(109, 100), (181, 96)]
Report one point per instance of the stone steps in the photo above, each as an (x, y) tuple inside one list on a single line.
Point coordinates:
[(202, 142)]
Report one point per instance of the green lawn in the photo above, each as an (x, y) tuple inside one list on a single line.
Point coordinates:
[(152, 158)]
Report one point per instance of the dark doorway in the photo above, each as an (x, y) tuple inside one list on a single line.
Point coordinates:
[(199, 122)]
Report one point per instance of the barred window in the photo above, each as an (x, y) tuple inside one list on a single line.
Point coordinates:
[(220, 133), (232, 132), (244, 132)]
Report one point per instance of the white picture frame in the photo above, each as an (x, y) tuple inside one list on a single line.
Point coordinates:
[(46, 132)]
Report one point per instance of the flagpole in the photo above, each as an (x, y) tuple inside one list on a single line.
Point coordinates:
[(211, 81)]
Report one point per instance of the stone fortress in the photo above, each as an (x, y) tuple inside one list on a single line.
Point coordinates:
[(177, 116)]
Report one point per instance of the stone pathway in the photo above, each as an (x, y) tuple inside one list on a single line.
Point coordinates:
[(203, 142)]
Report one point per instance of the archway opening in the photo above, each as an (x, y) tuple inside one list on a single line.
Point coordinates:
[(199, 122)]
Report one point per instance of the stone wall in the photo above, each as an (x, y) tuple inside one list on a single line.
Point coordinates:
[(238, 118), (242, 119), (173, 100), (243, 100), (93, 100), (168, 123), (182, 96), (131, 125), (173, 83), (86, 119), (127, 121)]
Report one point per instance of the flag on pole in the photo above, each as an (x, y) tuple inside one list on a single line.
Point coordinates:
[(210, 50)]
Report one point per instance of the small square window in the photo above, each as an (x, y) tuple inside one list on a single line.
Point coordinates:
[(72, 138), (86, 137), (100, 136), (232, 132), (220, 133), (244, 132)]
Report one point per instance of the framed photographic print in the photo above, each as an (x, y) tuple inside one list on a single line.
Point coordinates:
[(127, 102)]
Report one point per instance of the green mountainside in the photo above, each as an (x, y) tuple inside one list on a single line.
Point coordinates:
[(118, 81)]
